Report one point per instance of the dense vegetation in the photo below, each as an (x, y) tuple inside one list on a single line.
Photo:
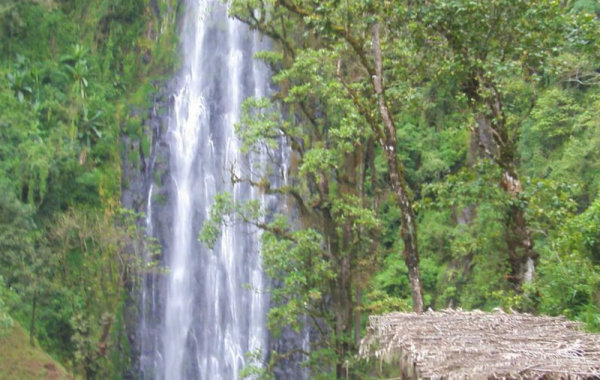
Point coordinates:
[(71, 72), (443, 153)]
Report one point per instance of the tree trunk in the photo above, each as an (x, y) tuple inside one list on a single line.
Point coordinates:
[(522, 257), (344, 306), (408, 228), (357, 316), (32, 324), (497, 146)]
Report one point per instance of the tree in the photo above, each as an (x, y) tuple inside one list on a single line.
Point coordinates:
[(506, 41), (30, 261), (6, 321), (350, 33), (319, 261), (98, 256)]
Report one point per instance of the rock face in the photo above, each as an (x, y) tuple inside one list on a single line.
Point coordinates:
[(145, 182), (140, 173)]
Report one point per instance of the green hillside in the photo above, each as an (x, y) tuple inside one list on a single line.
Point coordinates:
[(20, 361)]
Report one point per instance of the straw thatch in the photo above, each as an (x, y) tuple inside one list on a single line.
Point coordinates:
[(454, 344)]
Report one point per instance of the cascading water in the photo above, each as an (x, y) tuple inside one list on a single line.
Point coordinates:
[(199, 319)]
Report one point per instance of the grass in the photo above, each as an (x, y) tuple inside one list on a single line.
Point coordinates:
[(20, 361)]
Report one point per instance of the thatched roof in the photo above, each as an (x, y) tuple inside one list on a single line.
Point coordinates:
[(454, 344)]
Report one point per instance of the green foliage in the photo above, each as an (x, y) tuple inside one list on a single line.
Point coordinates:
[(562, 140), (468, 214), (526, 69), (6, 321), (68, 71), (392, 290), (568, 272), (587, 6), (293, 256), (19, 360)]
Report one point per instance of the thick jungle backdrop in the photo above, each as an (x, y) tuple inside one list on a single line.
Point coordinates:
[(72, 75), (443, 153)]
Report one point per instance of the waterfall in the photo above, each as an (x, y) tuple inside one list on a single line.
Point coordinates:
[(199, 319)]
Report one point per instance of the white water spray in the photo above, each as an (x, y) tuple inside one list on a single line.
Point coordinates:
[(210, 318)]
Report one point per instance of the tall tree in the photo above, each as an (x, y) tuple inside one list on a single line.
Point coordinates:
[(350, 34), (505, 41), (319, 260)]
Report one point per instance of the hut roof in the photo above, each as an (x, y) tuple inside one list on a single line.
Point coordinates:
[(455, 344)]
